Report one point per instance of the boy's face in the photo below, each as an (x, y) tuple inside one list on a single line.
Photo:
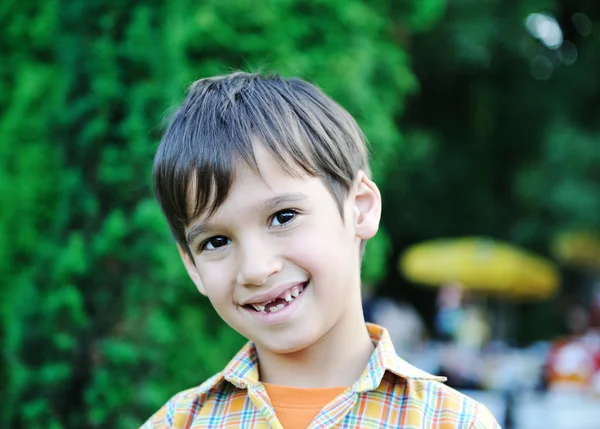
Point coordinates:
[(277, 261)]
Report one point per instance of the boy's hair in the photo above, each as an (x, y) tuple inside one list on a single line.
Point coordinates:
[(217, 124)]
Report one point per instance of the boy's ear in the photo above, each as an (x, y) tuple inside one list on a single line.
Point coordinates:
[(367, 206), (191, 269)]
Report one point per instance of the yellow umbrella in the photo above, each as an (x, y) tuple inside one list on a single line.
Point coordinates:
[(481, 264), (579, 248)]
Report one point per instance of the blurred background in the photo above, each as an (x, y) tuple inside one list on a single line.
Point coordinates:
[(483, 119)]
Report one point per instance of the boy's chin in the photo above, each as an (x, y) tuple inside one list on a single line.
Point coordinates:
[(283, 345)]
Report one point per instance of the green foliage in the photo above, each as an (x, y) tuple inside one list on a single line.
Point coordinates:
[(488, 149), (567, 176), (100, 325)]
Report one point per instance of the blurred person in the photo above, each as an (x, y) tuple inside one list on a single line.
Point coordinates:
[(592, 339), (449, 311), (573, 362), (473, 330), (265, 184), (464, 329)]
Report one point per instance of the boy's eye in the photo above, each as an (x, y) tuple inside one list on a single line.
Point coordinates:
[(215, 242), (283, 217)]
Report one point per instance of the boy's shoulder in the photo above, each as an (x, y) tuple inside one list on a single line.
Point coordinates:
[(432, 403), (182, 406), (424, 398)]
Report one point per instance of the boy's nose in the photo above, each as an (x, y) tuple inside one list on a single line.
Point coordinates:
[(256, 264)]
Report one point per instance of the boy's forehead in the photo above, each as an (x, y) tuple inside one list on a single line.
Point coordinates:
[(264, 171)]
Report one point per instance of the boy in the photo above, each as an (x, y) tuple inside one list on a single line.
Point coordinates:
[(266, 187)]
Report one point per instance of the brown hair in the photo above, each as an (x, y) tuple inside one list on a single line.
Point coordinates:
[(305, 130)]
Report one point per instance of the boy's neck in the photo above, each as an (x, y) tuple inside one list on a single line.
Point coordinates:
[(337, 359)]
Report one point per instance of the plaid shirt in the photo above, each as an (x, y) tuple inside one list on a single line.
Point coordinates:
[(390, 393)]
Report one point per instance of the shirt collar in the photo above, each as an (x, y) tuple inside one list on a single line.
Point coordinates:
[(242, 370), (384, 359)]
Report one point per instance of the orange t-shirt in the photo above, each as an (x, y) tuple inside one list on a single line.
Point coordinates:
[(296, 407)]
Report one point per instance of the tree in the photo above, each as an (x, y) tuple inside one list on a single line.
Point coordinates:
[(494, 146)]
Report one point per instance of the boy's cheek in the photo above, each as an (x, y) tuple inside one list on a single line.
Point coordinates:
[(213, 283)]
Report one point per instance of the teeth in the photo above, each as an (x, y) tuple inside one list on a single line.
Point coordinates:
[(258, 307), (277, 308), (289, 296)]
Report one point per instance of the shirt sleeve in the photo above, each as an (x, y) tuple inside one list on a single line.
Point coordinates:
[(159, 419), (164, 418), (180, 410)]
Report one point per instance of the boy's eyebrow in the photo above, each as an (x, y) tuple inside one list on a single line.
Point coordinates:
[(199, 229), (283, 199), (269, 204)]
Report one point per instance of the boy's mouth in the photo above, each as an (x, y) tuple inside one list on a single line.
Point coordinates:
[(279, 303)]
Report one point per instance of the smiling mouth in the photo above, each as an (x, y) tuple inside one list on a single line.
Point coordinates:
[(280, 302)]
